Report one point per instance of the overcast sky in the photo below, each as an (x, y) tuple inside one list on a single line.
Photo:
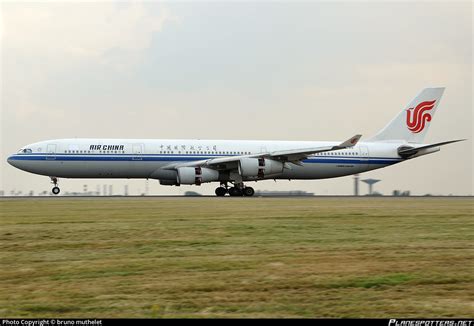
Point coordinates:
[(248, 70)]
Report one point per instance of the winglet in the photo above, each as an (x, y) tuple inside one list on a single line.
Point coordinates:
[(350, 142)]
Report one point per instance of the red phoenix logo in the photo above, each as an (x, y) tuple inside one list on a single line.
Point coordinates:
[(416, 119)]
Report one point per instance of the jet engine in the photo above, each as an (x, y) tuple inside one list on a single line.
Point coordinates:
[(169, 182), (196, 175), (259, 167)]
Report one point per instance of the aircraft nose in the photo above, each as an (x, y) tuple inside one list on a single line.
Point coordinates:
[(11, 160)]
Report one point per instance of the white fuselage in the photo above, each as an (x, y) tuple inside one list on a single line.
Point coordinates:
[(148, 158)]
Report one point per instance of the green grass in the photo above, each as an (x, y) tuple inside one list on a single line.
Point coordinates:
[(232, 257)]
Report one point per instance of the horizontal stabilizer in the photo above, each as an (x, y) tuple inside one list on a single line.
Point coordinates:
[(407, 151)]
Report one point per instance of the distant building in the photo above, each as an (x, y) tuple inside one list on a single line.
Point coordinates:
[(192, 194), (399, 193), (283, 193)]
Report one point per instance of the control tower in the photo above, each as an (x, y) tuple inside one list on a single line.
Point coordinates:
[(356, 185)]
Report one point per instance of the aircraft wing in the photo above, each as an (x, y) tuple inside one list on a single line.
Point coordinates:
[(293, 156)]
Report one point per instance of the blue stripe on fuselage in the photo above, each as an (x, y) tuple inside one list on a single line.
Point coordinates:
[(174, 157)]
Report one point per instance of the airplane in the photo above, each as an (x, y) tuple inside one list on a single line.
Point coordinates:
[(176, 162)]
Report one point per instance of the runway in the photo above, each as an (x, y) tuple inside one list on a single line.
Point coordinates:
[(131, 197)]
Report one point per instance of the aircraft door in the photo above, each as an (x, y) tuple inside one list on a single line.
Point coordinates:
[(51, 152), (137, 152), (364, 157)]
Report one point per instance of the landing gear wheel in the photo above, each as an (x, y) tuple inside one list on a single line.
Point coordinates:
[(55, 189), (235, 192), (249, 192), (221, 191)]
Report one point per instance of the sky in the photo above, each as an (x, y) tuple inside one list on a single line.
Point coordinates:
[(236, 70)]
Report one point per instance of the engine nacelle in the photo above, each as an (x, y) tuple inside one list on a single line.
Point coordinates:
[(259, 167), (196, 175), (169, 183)]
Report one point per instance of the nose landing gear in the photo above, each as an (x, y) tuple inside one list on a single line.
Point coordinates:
[(55, 189)]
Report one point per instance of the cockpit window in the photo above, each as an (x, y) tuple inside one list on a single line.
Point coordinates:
[(25, 151)]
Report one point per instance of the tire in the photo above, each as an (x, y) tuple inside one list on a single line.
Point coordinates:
[(249, 192), (235, 192), (56, 190), (220, 191)]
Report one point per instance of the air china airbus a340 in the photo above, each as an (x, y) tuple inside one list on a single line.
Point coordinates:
[(232, 162)]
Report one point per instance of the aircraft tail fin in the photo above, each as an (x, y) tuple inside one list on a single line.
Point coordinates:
[(413, 122)]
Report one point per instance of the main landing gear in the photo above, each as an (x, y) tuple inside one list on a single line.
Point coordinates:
[(238, 190), (55, 189)]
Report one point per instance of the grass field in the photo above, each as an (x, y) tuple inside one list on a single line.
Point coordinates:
[(234, 257)]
